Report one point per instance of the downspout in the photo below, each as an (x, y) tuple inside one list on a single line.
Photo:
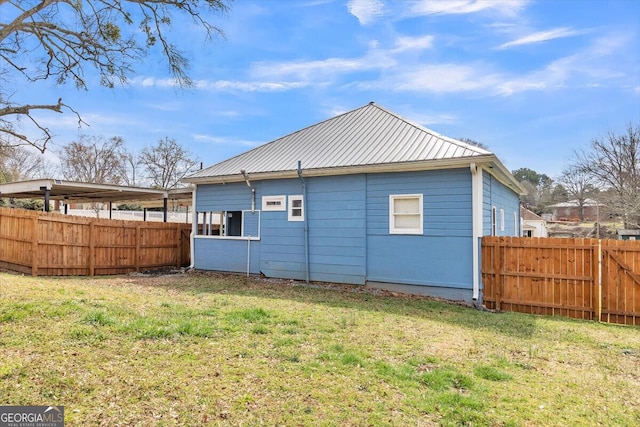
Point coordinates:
[(306, 227), (194, 227), (476, 218), (253, 209)]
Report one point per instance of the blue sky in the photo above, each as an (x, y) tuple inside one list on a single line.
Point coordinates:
[(532, 80)]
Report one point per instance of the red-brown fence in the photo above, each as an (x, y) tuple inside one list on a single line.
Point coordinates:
[(580, 278), (50, 244)]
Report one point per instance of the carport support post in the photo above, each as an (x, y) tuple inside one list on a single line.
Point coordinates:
[(164, 209), (47, 195)]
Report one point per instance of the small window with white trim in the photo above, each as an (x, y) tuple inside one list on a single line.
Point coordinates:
[(405, 214), (274, 203), (501, 219), (494, 220), (296, 208)]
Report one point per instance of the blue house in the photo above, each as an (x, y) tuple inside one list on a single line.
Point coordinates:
[(366, 198)]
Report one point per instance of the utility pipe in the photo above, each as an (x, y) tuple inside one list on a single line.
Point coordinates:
[(306, 228)]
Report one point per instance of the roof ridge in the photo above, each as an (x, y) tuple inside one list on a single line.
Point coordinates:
[(264, 145), (459, 143)]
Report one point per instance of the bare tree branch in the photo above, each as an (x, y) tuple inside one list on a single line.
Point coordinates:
[(62, 39)]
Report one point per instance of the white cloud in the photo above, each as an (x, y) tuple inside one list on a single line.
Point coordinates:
[(432, 7), (252, 86), (443, 78), (321, 69), (541, 36), (367, 11), (210, 139), (413, 43)]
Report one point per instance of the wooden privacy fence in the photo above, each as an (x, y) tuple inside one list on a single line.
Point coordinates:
[(51, 244), (579, 278)]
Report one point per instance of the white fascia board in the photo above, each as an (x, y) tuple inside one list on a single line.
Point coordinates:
[(425, 165)]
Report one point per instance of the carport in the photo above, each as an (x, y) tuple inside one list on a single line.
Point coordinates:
[(83, 192)]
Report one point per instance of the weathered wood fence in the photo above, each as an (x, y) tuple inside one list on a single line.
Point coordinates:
[(51, 244), (579, 278)]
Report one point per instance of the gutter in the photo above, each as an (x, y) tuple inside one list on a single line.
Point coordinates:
[(306, 227)]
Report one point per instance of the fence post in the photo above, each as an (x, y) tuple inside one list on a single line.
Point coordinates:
[(92, 247), (179, 234), (497, 270), (137, 254), (34, 247), (599, 282)]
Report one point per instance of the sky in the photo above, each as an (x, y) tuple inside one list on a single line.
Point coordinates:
[(531, 80)]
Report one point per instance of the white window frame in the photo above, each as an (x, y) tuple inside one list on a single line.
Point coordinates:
[(274, 203), (206, 229), (501, 219), (393, 215), (293, 198), (494, 220)]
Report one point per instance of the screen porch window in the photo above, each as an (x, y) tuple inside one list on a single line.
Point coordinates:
[(405, 214)]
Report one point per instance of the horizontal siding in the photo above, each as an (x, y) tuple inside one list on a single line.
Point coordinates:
[(336, 224), (446, 198), (442, 255), (420, 260), (497, 194), (226, 255), (229, 197)]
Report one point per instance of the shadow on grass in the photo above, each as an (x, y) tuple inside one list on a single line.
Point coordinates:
[(351, 297)]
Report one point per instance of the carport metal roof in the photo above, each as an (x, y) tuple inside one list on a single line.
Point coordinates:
[(83, 192)]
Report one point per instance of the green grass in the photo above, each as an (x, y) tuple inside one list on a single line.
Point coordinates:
[(199, 349)]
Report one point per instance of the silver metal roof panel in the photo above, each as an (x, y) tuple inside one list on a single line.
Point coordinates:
[(369, 135)]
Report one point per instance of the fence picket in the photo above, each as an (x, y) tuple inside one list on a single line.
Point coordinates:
[(40, 243), (580, 278)]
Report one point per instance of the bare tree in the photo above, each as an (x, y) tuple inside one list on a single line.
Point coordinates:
[(19, 163), (94, 159), (579, 186), (63, 39), (614, 163), (166, 163)]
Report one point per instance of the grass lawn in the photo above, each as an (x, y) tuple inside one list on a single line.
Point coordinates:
[(205, 349)]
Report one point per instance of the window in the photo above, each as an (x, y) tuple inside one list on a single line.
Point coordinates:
[(223, 224), (296, 208), (274, 203), (405, 214), (494, 220), (501, 219)]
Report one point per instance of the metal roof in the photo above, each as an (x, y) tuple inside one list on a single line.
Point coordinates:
[(367, 136)]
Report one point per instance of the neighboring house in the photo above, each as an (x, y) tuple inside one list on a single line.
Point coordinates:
[(570, 211), (532, 225), (628, 234), (366, 198)]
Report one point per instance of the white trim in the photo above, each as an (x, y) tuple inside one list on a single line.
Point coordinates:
[(202, 236), (194, 227), (494, 221), (393, 214), (476, 213), (274, 203), (501, 219), (302, 208)]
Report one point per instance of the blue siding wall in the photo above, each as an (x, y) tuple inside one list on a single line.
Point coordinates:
[(282, 241), (348, 229), (439, 257), (498, 195), (335, 214), (212, 253)]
